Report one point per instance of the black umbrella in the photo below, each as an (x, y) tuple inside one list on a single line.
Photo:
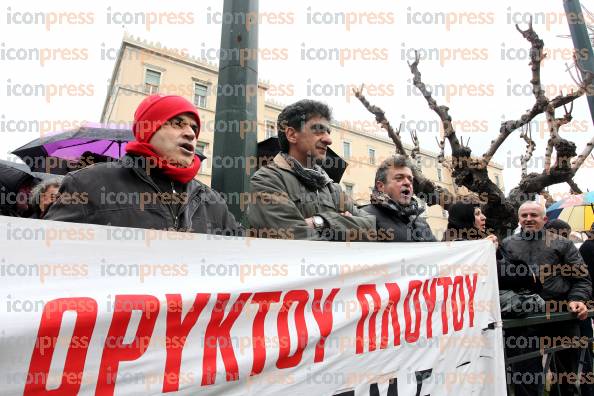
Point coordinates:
[(61, 152), (13, 175), (334, 165)]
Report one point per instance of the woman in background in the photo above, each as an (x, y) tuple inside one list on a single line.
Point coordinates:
[(43, 196), (466, 222)]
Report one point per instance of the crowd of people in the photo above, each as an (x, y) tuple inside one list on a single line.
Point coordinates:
[(154, 186)]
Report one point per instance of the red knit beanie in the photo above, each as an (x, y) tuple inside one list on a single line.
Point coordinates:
[(154, 110), (148, 118)]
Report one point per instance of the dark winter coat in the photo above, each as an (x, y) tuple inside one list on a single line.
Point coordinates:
[(587, 253), (123, 194), (397, 224), (282, 203), (556, 261)]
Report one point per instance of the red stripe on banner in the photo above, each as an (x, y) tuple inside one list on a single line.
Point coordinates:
[(176, 334), (114, 350), (47, 336)]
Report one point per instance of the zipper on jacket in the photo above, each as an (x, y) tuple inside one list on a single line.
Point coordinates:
[(148, 180), (175, 216), (318, 208), (185, 203)]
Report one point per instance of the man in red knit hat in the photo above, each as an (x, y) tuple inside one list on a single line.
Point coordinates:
[(153, 185)]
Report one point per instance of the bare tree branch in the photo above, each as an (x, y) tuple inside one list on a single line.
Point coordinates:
[(472, 173), (507, 127), (577, 79), (416, 148), (380, 118), (465, 169), (536, 57), (441, 111), (583, 155), (563, 147), (530, 146), (574, 187), (537, 182), (541, 104), (441, 154), (553, 137)]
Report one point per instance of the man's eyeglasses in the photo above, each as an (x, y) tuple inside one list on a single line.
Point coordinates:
[(319, 128), (180, 123)]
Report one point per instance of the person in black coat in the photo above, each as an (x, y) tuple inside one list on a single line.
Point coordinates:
[(397, 212), (587, 251), (566, 287), (153, 186), (467, 222)]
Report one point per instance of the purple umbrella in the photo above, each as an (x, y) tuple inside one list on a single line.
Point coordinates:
[(102, 142)]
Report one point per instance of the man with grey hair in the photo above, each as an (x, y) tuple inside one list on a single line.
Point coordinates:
[(397, 212), (566, 287)]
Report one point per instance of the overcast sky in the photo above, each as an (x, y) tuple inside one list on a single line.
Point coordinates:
[(474, 59)]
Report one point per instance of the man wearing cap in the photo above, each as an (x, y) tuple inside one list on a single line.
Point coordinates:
[(153, 185)]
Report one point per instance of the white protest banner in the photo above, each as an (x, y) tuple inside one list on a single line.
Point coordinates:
[(89, 309)]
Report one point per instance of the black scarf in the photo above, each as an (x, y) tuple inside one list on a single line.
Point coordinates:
[(403, 211)]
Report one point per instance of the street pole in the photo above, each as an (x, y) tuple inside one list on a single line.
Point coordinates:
[(581, 43), (236, 122)]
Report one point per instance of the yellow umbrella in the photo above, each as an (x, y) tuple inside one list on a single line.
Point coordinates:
[(580, 218), (577, 210)]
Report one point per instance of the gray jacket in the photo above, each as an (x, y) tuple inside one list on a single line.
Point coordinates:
[(281, 203)]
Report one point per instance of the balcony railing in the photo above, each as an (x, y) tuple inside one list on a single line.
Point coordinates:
[(548, 353)]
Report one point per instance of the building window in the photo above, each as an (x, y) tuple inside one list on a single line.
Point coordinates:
[(423, 205), (348, 189), (346, 149), (439, 176), (419, 161), (270, 129), (202, 148), (200, 94), (152, 80), (371, 154)]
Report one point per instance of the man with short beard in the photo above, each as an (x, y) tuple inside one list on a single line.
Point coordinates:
[(397, 212), (294, 198)]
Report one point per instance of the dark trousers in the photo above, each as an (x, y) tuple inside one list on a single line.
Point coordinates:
[(527, 377), (587, 387)]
